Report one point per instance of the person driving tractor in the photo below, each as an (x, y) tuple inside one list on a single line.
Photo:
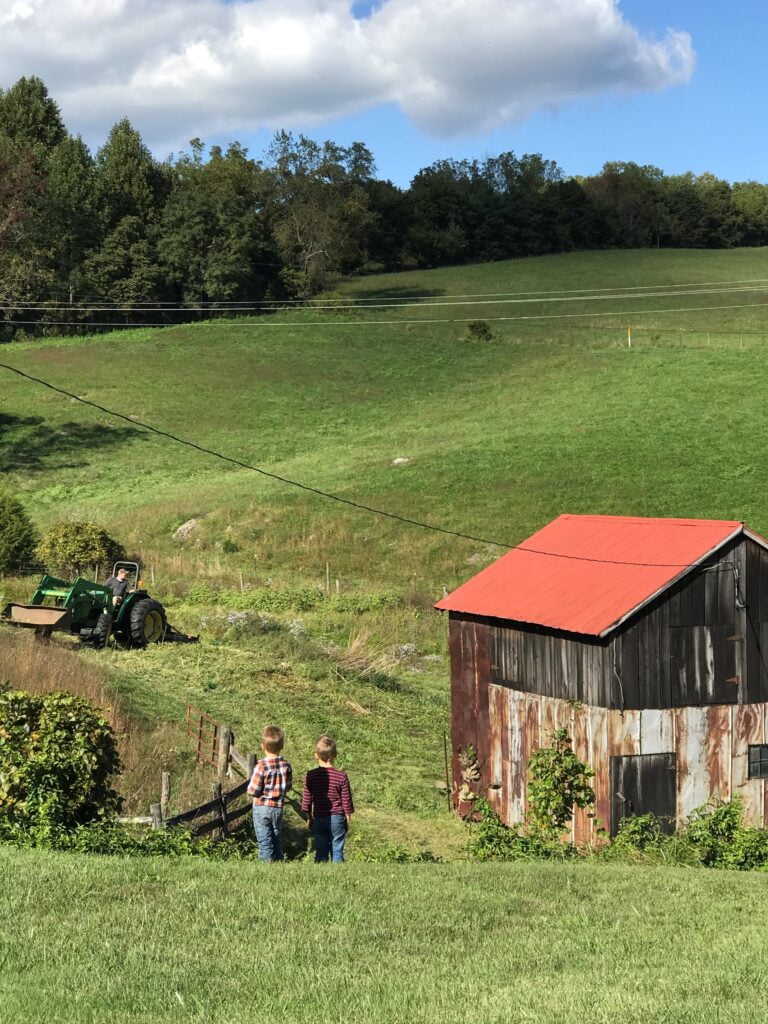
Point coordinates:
[(120, 585)]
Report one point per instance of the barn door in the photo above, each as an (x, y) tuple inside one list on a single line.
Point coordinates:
[(704, 663), (643, 784)]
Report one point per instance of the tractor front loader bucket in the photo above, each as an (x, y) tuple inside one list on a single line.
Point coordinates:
[(37, 616)]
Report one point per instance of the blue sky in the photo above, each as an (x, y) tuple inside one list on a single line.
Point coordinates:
[(677, 84), (715, 122)]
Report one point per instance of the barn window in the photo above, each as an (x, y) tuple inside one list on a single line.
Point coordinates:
[(758, 761)]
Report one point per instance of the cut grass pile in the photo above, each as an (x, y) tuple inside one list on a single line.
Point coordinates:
[(172, 941)]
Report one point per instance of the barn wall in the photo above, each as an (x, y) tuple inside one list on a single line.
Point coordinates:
[(470, 693), (709, 746), (695, 646)]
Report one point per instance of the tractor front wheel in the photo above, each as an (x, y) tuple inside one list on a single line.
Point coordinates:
[(147, 623)]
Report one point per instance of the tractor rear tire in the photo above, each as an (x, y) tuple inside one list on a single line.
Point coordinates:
[(147, 623)]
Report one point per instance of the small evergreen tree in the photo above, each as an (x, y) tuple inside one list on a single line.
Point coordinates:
[(17, 535)]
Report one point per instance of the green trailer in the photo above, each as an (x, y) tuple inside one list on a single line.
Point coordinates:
[(85, 609)]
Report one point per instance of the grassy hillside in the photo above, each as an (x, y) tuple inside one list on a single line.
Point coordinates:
[(553, 415), (501, 437), (163, 941)]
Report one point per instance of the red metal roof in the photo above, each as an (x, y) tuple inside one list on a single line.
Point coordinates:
[(586, 574)]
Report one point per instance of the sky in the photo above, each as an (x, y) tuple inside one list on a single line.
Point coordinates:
[(680, 84)]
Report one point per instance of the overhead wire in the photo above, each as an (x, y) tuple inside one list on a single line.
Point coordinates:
[(216, 322), (40, 303), (140, 424), (276, 308)]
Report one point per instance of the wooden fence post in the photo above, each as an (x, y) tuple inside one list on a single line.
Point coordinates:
[(225, 742), (220, 832), (165, 794), (157, 816), (251, 765)]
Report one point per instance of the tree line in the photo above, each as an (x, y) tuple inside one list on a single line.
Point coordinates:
[(214, 226)]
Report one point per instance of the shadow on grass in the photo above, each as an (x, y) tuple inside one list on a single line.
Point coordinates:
[(29, 443)]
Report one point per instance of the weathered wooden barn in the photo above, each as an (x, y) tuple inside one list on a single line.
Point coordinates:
[(646, 638)]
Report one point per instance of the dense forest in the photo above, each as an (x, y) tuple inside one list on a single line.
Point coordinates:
[(212, 226)]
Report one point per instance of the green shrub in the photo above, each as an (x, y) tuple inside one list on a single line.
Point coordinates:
[(57, 759), (557, 782), (360, 604), (201, 593), (478, 330), (17, 535), (490, 839), (639, 833), (273, 599), (109, 837), (74, 548)]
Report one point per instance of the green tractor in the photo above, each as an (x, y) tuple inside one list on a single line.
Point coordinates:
[(86, 609)]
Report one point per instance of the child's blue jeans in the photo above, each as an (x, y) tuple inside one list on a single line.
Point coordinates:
[(329, 831), (267, 824)]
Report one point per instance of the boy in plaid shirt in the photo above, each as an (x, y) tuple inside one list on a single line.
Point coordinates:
[(271, 780)]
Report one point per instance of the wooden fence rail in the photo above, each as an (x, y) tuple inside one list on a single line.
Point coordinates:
[(214, 745)]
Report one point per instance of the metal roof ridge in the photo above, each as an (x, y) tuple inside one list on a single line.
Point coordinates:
[(665, 520)]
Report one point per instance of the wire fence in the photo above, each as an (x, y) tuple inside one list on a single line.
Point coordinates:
[(634, 336)]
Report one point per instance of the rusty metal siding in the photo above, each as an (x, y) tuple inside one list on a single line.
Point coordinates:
[(693, 786), (708, 746), (748, 727), (719, 721)]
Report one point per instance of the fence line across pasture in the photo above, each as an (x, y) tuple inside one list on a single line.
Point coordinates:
[(637, 335)]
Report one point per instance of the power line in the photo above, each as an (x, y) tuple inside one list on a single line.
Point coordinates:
[(326, 494), (245, 465), (252, 303), (384, 323), (388, 305)]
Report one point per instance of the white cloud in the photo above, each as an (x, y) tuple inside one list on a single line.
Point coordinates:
[(199, 67)]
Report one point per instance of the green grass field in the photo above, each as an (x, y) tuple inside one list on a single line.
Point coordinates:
[(90, 941), (501, 437), (553, 415)]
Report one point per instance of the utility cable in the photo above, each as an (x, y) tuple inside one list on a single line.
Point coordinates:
[(385, 305), (246, 465), (234, 304), (326, 494), (383, 323)]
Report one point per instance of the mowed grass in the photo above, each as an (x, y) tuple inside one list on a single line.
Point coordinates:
[(90, 940)]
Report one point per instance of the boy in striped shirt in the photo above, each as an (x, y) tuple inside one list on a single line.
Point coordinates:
[(272, 778), (327, 801)]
